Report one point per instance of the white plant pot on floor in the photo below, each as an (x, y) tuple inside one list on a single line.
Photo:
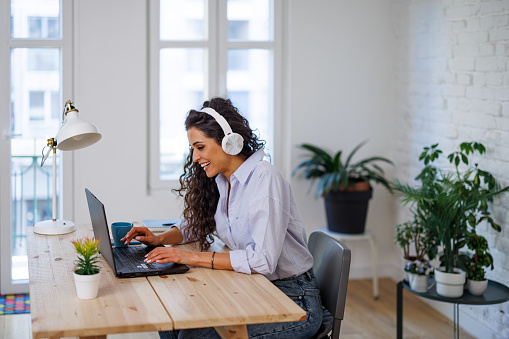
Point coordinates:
[(87, 286), (450, 285), (477, 287)]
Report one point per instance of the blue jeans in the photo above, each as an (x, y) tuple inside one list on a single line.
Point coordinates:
[(302, 289)]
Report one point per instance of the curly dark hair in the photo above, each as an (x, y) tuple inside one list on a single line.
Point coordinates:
[(199, 191)]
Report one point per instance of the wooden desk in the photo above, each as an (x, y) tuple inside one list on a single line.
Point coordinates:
[(199, 298)]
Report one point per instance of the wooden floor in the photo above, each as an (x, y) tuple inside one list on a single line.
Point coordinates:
[(364, 317), (369, 318)]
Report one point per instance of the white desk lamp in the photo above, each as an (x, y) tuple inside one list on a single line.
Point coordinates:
[(72, 135)]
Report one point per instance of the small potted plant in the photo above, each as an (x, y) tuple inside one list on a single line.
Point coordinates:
[(86, 267), (416, 241), (345, 185), (418, 273), (479, 259)]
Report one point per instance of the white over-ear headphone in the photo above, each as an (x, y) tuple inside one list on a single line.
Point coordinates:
[(232, 142)]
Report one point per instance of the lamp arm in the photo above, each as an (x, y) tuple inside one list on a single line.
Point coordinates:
[(45, 156), (54, 209), (52, 145)]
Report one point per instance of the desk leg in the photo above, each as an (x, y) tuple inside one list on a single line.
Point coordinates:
[(232, 332), (374, 262), (399, 310)]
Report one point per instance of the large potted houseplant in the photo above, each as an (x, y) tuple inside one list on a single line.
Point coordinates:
[(449, 203), (480, 259), (345, 185), (86, 269)]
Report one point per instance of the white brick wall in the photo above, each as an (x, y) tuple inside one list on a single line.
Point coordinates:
[(452, 82)]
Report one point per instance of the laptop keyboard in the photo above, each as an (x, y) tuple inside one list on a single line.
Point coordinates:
[(133, 257)]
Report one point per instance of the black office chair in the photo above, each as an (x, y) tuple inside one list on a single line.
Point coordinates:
[(331, 268)]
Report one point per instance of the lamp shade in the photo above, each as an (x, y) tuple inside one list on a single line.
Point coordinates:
[(76, 133)]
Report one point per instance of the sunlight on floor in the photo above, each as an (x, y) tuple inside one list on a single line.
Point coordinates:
[(19, 267)]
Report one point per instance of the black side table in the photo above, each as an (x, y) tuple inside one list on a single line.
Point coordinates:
[(496, 293)]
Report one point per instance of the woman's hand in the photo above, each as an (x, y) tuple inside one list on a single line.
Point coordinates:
[(163, 255), (143, 235)]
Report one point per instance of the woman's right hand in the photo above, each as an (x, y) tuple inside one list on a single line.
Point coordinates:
[(143, 235)]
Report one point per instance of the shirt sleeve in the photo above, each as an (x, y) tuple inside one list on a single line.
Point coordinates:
[(181, 226), (268, 221)]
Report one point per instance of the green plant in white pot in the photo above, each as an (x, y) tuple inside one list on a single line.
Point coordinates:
[(448, 203), (480, 259), (416, 241), (345, 185), (418, 273), (86, 269)]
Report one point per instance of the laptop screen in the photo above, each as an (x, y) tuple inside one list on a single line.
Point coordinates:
[(100, 226)]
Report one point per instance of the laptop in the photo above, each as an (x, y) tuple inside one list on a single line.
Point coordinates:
[(126, 262)]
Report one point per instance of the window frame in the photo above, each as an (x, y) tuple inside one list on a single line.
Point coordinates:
[(216, 46)]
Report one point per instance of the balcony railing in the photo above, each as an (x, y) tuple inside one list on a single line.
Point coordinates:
[(31, 197)]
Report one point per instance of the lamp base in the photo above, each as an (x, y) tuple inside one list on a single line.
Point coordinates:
[(54, 227)]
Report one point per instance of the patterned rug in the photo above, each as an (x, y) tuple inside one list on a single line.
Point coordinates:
[(14, 304)]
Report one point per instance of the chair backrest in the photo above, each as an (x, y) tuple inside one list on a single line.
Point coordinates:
[(331, 268)]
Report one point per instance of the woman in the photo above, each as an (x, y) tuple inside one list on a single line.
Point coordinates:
[(230, 190)]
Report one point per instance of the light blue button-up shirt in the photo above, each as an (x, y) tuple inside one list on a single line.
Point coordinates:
[(263, 227)]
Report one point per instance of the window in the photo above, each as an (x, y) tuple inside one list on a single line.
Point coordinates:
[(32, 19), (43, 59), (36, 105), (35, 27), (238, 30), (200, 49), (43, 27), (56, 105), (35, 81)]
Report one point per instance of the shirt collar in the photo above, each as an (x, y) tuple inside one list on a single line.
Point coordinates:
[(244, 171)]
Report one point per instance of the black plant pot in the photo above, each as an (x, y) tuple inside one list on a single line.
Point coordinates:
[(347, 211)]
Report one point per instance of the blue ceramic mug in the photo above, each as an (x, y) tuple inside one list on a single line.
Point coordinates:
[(119, 230)]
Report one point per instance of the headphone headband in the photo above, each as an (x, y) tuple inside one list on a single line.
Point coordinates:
[(219, 118)]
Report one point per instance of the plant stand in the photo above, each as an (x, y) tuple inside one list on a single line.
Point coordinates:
[(496, 293), (366, 236)]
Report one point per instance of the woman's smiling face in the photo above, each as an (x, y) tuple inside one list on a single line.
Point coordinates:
[(209, 154)]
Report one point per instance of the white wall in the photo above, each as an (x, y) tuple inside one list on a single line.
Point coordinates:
[(111, 92), (341, 93), (453, 86)]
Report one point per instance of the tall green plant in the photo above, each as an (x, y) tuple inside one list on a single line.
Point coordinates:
[(334, 174), (448, 202)]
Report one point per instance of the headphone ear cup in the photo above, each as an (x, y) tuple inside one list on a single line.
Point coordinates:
[(233, 143)]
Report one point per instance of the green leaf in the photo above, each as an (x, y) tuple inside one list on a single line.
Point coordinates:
[(337, 161), (464, 158), (347, 162)]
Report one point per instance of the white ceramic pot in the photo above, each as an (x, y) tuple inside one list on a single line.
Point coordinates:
[(477, 287), (418, 283), (406, 262), (450, 285), (87, 286)]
